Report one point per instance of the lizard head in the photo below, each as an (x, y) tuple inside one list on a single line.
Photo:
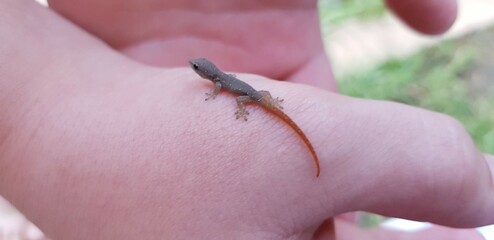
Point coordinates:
[(205, 68)]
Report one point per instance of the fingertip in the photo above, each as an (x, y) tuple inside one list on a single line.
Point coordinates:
[(428, 17)]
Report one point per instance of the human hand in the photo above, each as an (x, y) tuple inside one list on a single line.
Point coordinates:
[(279, 40), (134, 152)]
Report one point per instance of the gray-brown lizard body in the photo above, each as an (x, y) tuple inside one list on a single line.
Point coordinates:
[(206, 69)]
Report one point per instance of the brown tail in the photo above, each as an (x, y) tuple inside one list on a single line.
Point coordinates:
[(278, 112)]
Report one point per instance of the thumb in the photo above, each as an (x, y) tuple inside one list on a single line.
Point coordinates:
[(429, 17), (421, 165), (404, 162)]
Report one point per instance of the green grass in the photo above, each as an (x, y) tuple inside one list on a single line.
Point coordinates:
[(336, 11), (438, 79)]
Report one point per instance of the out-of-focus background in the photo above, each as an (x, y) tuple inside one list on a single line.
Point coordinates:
[(375, 56)]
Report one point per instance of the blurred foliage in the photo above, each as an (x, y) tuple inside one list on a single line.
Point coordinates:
[(370, 220), (439, 79), (336, 11)]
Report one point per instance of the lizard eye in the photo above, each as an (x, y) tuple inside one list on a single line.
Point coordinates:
[(195, 66)]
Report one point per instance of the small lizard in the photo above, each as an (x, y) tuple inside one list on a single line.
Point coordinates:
[(206, 69)]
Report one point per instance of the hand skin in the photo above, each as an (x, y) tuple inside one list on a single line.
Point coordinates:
[(94, 145)]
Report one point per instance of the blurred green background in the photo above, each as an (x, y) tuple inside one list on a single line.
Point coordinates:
[(453, 77)]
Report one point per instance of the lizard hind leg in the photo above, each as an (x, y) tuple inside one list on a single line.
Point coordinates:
[(241, 111), (273, 101)]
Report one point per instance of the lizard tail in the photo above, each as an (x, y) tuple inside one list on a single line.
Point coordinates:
[(278, 112)]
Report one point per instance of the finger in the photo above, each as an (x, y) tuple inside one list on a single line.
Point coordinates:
[(259, 45), (406, 162), (394, 160), (375, 156), (429, 17)]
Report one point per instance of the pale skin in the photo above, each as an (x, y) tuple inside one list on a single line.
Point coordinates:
[(95, 145)]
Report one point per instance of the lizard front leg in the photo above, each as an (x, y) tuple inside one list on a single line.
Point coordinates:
[(241, 111), (214, 92)]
